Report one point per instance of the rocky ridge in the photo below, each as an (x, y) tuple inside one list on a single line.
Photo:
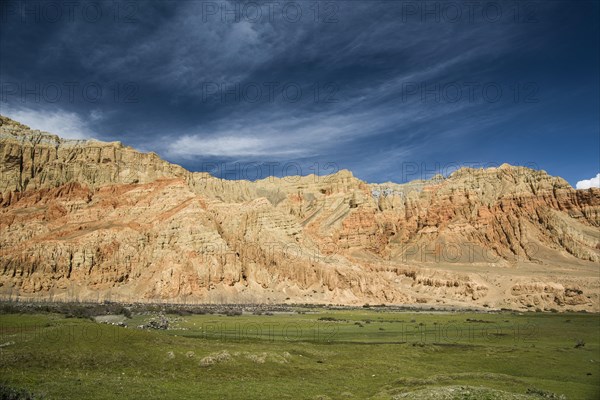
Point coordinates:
[(92, 220)]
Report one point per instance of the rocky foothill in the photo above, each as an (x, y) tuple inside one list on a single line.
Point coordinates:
[(90, 221)]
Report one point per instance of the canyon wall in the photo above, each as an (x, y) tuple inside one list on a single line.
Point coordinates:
[(90, 220)]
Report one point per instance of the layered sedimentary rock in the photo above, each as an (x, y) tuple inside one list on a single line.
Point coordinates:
[(90, 220)]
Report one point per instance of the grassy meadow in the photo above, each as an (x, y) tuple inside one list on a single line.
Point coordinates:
[(302, 353)]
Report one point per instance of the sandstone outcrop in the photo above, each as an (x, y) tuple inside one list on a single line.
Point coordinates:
[(90, 220)]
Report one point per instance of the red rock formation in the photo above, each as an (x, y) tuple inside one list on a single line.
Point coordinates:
[(92, 220)]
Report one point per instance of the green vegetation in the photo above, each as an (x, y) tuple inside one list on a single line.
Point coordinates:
[(316, 353)]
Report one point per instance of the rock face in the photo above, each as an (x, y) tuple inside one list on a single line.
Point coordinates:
[(88, 220)]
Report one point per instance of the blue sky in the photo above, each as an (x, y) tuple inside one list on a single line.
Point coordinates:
[(392, 90)]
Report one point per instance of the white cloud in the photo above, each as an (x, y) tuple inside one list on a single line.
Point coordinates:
[(227, 146), (97, 115), (589, 183), (279, 135), (65, 124)]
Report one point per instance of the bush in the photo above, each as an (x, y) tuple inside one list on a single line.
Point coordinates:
[(127, 312), (75, 311), (9, 393), (544, 394), (177, 311), (7, 308)]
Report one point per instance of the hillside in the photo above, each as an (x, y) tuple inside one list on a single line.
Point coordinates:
[(91, 220)]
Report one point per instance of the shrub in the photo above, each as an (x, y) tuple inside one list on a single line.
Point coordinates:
[(7, 308), (127, 312), (544, 394), (9, 393)]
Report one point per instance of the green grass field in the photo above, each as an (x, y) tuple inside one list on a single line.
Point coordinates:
[(317, 354)]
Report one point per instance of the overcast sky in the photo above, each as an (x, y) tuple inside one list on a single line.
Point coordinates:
[(392, 90)]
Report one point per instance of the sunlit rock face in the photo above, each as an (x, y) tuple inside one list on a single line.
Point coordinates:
[(89, 220)]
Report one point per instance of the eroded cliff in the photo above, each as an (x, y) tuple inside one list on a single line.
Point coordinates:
[(94, 220)]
